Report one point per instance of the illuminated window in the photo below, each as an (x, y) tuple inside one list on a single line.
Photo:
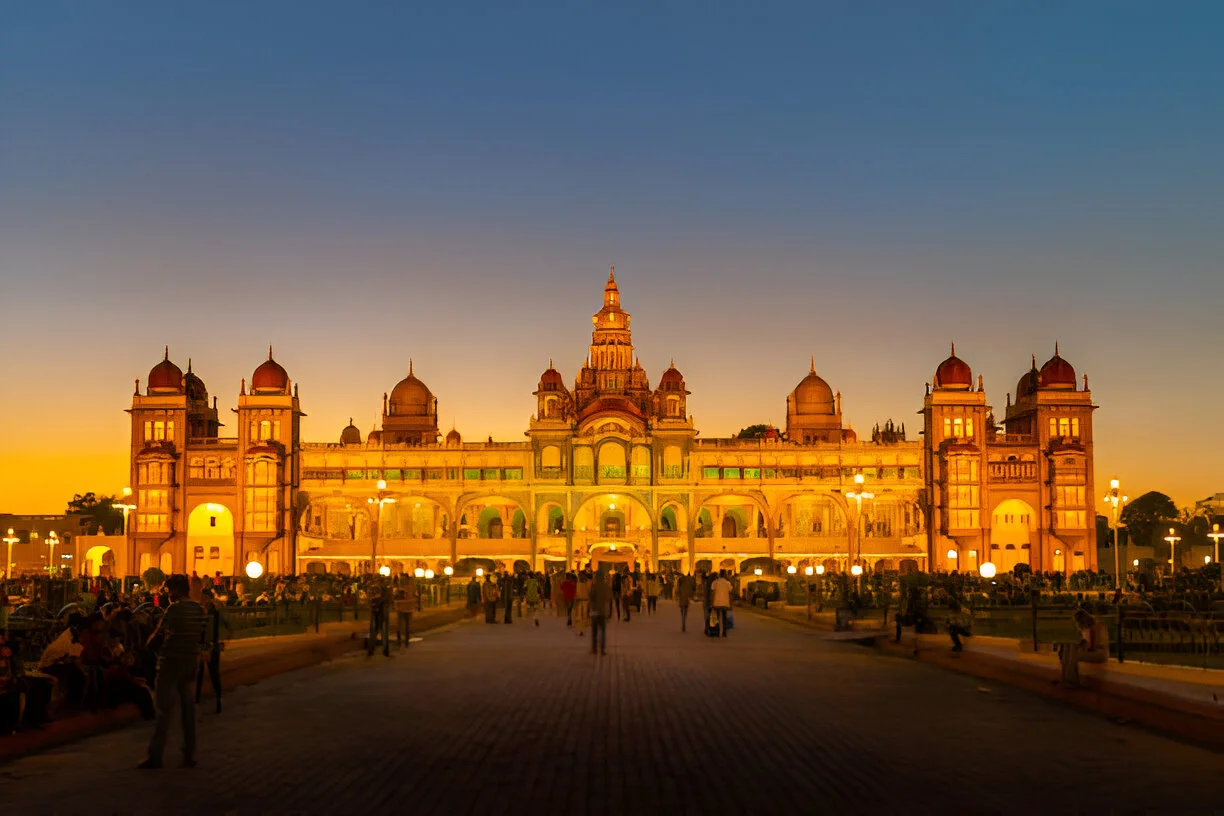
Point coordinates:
[(947, 427), (958, 427), (969, 427)]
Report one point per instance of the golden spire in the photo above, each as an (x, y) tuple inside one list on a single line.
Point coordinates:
[(410, 367), (269, 351), (812, 370)]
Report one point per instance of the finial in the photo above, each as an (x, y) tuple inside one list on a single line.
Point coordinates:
[(981, 387), (550, 364), (269, 351), (612, 274), (1034, 361), (350, 420), (138, 386), (1085, 382), (295, 393), (409, 366), (953, 348), (672, 364), (812, 370), (1055, 348), (167, 357), (242, 389)]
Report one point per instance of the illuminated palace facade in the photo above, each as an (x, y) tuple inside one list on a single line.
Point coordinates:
[(613, 470)]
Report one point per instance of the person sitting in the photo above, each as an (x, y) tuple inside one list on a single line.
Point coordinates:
[(1094, 638), (62, 661)]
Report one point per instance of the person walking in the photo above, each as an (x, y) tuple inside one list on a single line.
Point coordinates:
[(181, 634), (531, 594), (582, 598), (653, 588), (601, 609), (473, 597), (507, 584), (212, 665), (684, 596), (617, 580), (720, 592), (405, 605), (490, 595), (569, 590), (628, 587)]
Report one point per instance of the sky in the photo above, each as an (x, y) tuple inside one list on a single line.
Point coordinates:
[(360, 184)]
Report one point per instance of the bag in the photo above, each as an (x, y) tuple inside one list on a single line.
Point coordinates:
[(713, 619)]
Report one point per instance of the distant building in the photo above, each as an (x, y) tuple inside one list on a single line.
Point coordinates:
[(32, 551), (613, 470)]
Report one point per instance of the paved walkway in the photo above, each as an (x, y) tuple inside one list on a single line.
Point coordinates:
[(512, 719)]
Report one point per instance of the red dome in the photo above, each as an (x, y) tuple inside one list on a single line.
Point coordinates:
[(270, 376), (953, 373), (673, 378), (551, 380), (453, 438), (166, 376), (1056, 373)]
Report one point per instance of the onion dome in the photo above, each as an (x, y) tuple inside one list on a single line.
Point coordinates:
[(953, 373), (813, 395), (1028, 383), (849, 435), (1057, 373), (166, 377), (672, 380), (270, 377), (351, 435), (551, 379), (410, 397), (194, 386), (454, 438)]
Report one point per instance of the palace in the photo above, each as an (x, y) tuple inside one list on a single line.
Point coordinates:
[(613, 470)]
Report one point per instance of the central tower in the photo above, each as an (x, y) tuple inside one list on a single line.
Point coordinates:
[(611, 369)]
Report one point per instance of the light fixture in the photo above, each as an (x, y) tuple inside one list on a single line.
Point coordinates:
[(951, 555), (1206, 559), (1113, 484), (808, 571), (756, 571), (611, 506), (856, 570), (987, 570), (384, 570), (791, 570), (418, 572), (448, 571), (429, 574), (254, 569), (382, 484), (479, 571), (1135, 563), (819, 569)]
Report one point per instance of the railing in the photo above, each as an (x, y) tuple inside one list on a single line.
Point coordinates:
[(1022, 439), (212, 442)]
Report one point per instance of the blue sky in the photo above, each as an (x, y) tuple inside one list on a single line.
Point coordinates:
[(360, 183)]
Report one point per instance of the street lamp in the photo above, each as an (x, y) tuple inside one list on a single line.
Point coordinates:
[(448, 571), (254, 569), (792, 569), (380, 501), (9, 541), (1215, 535), (418, 573), (1116, 504), (988, 570), (1173, 538), (384, 570), (480, 572), (857, 494), (52, 540), (127, 506)]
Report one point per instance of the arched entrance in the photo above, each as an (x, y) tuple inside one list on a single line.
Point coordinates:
[(1011, 527), (100, 562), (210, 540), (613, 553)]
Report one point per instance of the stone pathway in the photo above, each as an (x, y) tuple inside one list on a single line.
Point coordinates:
[(499, 719)]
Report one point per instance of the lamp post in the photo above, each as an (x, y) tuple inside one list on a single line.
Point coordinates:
[(126, 506), (1116, 504), (857, 495), (9, 541), (1173, 538), (1215, 535), (52, 540), (380, 501)]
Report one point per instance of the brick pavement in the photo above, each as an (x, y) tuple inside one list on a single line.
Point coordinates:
[(511, 719)]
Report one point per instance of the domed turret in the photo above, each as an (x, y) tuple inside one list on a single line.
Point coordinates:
[(351, 435), (551, 379), (813, 395), (375, 438), (953, 374), (194, 386), (411, 397), (1057, 373), (672, 380), (453, 439), (165, 377), (270, 377), (1027, 386)]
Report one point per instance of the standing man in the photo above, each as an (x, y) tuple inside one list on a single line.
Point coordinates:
[(212, 636), (569, 591), (720, 592), (616, 592), (601, 610), (684, 595), (181, 633), (490, 595)]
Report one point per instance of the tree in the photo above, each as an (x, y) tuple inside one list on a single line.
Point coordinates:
[(1145, 517), (753, 432), (99, 513)]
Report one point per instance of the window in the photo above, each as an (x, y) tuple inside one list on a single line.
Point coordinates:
[(261, 509), (1069, 496), (472, 473), (434, 474), (731, 473), (550, 457), (159, 429), (962, 519), (771, 473), (490, 474), (410, 475), (752, 473), (152, 522), (354, 474), (1069, 519), (958, 427), (709, 473), (513, 474)]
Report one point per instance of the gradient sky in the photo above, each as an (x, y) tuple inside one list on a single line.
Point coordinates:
[(361, 183)]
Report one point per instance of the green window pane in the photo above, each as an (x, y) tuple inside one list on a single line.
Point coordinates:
[(392, 475), (752, 473), (771, 473), (472, 474), (412, 475), (709, 473), (491, 474), (434, 475), (731, 473), (354, 474), (513, 474)]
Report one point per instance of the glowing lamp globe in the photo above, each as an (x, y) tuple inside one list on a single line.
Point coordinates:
[(384, 570), (808, 571), (254, 569), (856, 570), (791, 570), (756, 571), (418, 572), (1135, 563), (951, 555), (987, 570), (429, 574), (479, 572), (448, 571), (820, 569)]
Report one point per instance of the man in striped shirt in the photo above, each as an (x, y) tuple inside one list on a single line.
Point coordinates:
[(182, 636)]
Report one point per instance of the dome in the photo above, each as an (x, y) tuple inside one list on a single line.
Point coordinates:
[(194, 386), (1056, 373), (813, 395), (453, 438), (270, 377), (350, 435), (410, 397), (1028, 383), (672, 380), (953, 373), (375, 438), (166, 376), (551, 379)]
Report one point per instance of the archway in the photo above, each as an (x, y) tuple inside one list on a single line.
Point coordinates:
[(210, 540), (1011, 527), (100, 562)]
